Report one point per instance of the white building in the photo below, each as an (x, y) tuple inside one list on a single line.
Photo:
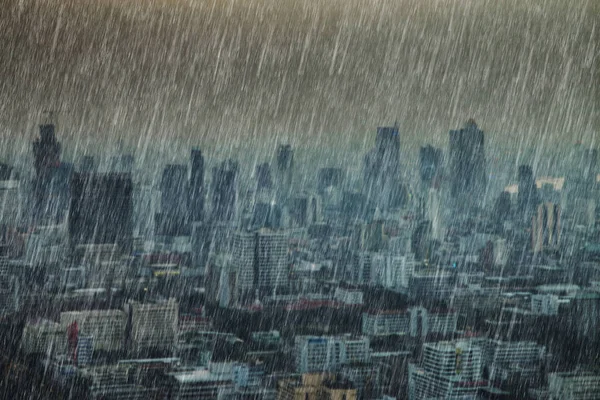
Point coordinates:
[(348, 296), (415, 322), (327, 353), (43, 337), (450, 370), (154, 325), (273, 271), (395, 322), (502, 358), (106, 326)]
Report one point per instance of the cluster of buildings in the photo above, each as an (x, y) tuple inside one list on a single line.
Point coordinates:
[(375, 286)]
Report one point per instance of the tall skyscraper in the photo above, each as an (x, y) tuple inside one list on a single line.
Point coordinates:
[(172, 219), (329, 177), (284, 172), (381, 176), (46, 152), (224, 191), (527, 199), (546, 227), (101, 209), (263, 177), (196, 197), (467, 164)]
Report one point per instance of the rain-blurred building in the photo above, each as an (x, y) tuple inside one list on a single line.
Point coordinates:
[(430, 165), (172, 220), (381, 175), (101, 209), (196, 187), (467, 165), (284, 172), (527, 199), (546, 227), (153, 325), (46, 152), (224, 191)]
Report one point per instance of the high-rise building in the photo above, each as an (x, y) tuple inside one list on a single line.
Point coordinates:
[(527, 199), (106, 326), (468, 179), (272, 260), (450, 370), (284, 172), (46, 152), (101, 209), (263, 177), (224, 191), (173, 218), (196, 197), (381, 175), (546, 227), (430, 164)]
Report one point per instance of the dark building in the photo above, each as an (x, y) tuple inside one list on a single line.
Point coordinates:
[(101, 209), (263, 177), (284, 171), (467, 163), (196, 197), (46, 152), (502, 210), (172, 219), (122, 164), (382, 171), (527, 199), (329, 177), (224, 191), (430, 164)]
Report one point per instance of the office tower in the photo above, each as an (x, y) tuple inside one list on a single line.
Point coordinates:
[(327, 353), (502, 210), (172, 219), (527, 200), (467, 165), (546, 227), (329, 178), (272, 260), (381, 175), (196, 197), (244, 260), (284, 171), (46, 152), (224, 191), (154, 325), (450, 370), (430, 165), (87, 164), (106, 326), (101, 209)]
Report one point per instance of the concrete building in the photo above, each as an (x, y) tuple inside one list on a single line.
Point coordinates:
[(544, 304), (106, 326), (154, 325), (577, 385), (450, 370), (328, 353)]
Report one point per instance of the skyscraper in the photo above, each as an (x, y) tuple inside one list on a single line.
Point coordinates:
[(196, 194), (381, 175), (527, 199), (546, 228), (224, 191), (284, 171), (101, 209), (46, 152), (467, 164), (172, 219)]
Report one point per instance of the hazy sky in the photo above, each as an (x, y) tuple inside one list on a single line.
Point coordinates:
[(241, 74)]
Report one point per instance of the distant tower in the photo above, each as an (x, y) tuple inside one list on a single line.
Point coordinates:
[(263, 177), (224, 191), (196, 196), (285, 165), (381, 175), (87, 164), (527, 199), (172, 220), (467, 163), (46, 152)]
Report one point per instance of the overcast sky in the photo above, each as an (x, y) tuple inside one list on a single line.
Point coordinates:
[(322, 74)]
